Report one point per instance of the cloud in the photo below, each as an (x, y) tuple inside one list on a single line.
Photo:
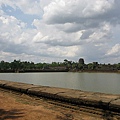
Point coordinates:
[(65, 29), (114, 51), (11, 28), (78, 11), (72, 16), (26, 6)]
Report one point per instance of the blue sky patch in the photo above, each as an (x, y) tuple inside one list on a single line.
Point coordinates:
[(26, 18)]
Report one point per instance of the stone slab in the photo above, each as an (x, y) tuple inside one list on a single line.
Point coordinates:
[(3, 82), (115, 103), (68, 95)]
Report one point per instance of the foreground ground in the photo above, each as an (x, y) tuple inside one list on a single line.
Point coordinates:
[(16, 106)]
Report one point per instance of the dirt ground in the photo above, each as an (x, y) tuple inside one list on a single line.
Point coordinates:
[(14, 106)]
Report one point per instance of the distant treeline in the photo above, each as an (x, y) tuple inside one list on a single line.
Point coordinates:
[(25, 66), (66, 65)]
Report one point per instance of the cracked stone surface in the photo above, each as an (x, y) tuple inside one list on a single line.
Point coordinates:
[(69, 94)]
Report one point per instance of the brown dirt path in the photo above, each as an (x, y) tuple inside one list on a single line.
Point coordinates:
[(14, 106)]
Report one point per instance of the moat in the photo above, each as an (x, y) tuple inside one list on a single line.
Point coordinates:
[(95, 82)]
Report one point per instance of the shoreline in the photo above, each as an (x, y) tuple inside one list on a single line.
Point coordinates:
[(92, 99), (93, 71), (82, 71)]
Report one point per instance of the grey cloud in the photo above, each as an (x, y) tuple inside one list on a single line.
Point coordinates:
[(8, 46), (86, 34), (111, 15), (16, 49), (93, 53), (64, 44), (73, 31)]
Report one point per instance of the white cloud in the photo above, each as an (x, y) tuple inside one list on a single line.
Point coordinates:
[(10, 28), (63, 11), (97, 7), (102, 34), (37, 37), (114, 51), (26, 6), (29, 6), (68, 29), (63, 52)]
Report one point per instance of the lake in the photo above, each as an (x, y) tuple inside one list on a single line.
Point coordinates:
[(95, 82)]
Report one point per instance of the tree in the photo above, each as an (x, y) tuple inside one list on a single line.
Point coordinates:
[(4, 65), (16, 65), (45, 66), (90, 66), (80, 66)]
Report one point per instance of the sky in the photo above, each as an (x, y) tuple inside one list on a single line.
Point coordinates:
[(54, 30)]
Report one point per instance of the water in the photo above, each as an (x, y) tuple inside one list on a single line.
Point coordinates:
[(95, 82)]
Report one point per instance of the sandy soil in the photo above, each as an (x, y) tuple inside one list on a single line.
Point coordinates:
[(15, 106)]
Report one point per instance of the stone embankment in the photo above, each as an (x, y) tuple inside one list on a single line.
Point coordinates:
[(98, 100)]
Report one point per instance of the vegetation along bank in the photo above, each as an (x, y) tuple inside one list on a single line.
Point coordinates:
[(80, 66)]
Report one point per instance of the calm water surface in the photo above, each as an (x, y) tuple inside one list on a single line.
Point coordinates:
[(96, 82)]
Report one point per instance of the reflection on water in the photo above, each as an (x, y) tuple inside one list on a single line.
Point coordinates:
[(96, 82)]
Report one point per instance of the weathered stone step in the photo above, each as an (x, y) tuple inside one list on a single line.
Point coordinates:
[(99, 100)]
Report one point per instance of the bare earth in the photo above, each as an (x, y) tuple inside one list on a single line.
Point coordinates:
[(14, 106)]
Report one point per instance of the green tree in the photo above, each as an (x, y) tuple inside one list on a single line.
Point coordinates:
[(80, 66), (4, 65), (16, 65), (90, 66)]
